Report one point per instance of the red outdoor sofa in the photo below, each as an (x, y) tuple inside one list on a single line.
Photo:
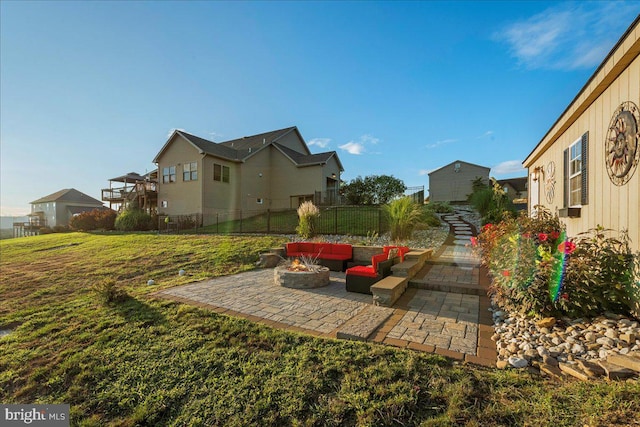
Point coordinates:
[(331, 255), (360, 278)]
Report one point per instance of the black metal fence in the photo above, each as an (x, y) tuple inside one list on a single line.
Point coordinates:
[(352, 220)]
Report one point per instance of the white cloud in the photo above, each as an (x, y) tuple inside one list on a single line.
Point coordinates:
[(441, 142), (510, 166), (353, 148), (423, 172), (368, 139), (360, 146), (487, 134), (568, 35), (320, 142), (172, 130)]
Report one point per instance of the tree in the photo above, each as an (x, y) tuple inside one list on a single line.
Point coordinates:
[(373, 189)]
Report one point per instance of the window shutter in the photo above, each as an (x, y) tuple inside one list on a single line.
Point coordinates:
[(585, 174), (565, 187)]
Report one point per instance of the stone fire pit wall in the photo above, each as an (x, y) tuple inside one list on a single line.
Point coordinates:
[(301, 279)]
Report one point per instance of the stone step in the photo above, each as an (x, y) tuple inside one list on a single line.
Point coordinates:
[(361, 326), (407, 268), (387, 291), (420, 255)]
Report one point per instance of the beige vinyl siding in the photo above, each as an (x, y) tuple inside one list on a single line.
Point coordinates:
[(183, 198), (447, 185), (612, 206)]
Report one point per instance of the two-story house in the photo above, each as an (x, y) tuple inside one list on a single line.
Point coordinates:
[(244, 176)]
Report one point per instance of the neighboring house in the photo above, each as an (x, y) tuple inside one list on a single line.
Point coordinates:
[(516, 188), (245, 176), (136, 189), (58, 208), (454, 182), (585, 168)]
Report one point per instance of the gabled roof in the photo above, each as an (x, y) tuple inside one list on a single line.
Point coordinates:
[(69, 195), (236, 150), (308, 159), (518, 184), (460, 161)]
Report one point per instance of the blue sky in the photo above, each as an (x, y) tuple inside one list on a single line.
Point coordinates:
[(91, 90)]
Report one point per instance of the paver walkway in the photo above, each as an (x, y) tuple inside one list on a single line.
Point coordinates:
[(444, 311)]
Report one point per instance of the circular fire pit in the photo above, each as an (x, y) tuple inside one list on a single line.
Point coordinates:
[(301, 279)]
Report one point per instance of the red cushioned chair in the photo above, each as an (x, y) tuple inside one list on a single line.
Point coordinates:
[(360, 278), (402, 250)]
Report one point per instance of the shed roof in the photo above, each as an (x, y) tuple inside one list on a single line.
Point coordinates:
[(460, 161)]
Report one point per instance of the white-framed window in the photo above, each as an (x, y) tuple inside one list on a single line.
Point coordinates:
[(164, 203), (168, 174), (260, 201), (575, 173), (220, 173), (190, 171)]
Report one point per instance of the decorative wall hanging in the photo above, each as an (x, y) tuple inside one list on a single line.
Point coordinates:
[(622, 144), (550, 182)]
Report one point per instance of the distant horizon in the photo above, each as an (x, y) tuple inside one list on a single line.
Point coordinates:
[(395, 88)]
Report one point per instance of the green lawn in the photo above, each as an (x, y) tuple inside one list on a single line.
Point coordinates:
[(150, 362)]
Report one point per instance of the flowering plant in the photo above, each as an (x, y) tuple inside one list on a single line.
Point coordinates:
[(536, 269)]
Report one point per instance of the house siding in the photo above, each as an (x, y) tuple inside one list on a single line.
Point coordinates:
[(611, 206), (608, 205), (447, 185), (183, 197)]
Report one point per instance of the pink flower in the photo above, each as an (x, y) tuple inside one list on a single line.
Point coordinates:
[(474, 241), (506, 273), (542, 237), (527, 235), (554, 235), (567, 247), (565, 296)]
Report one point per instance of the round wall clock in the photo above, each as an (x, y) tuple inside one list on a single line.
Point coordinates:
[(622, 144)]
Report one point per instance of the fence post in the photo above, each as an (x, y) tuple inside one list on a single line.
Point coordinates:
[(268, 221), (379, 222), (217, 223), (241, 220), (335, 219)]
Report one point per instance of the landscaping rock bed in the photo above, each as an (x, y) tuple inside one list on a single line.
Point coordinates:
[(523, 342)]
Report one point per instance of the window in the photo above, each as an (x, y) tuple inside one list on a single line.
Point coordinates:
[(190, 171), (164, 204), (575, 174), (220, 173), (259, 201), (168, 174)]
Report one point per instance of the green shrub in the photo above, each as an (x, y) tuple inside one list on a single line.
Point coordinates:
[(403, 215), (108, 292), (60, 229), (491, 201), (96, 219), (134, 220), (307, 214), (440, 207), (537, 270), (429, 218)]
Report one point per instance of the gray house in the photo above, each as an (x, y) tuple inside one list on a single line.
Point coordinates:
[(59, 207), (453, 183)]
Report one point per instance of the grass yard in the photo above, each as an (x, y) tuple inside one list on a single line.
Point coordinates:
[(149, 362)]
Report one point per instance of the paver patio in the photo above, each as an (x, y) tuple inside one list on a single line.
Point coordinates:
[(454, 324)]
